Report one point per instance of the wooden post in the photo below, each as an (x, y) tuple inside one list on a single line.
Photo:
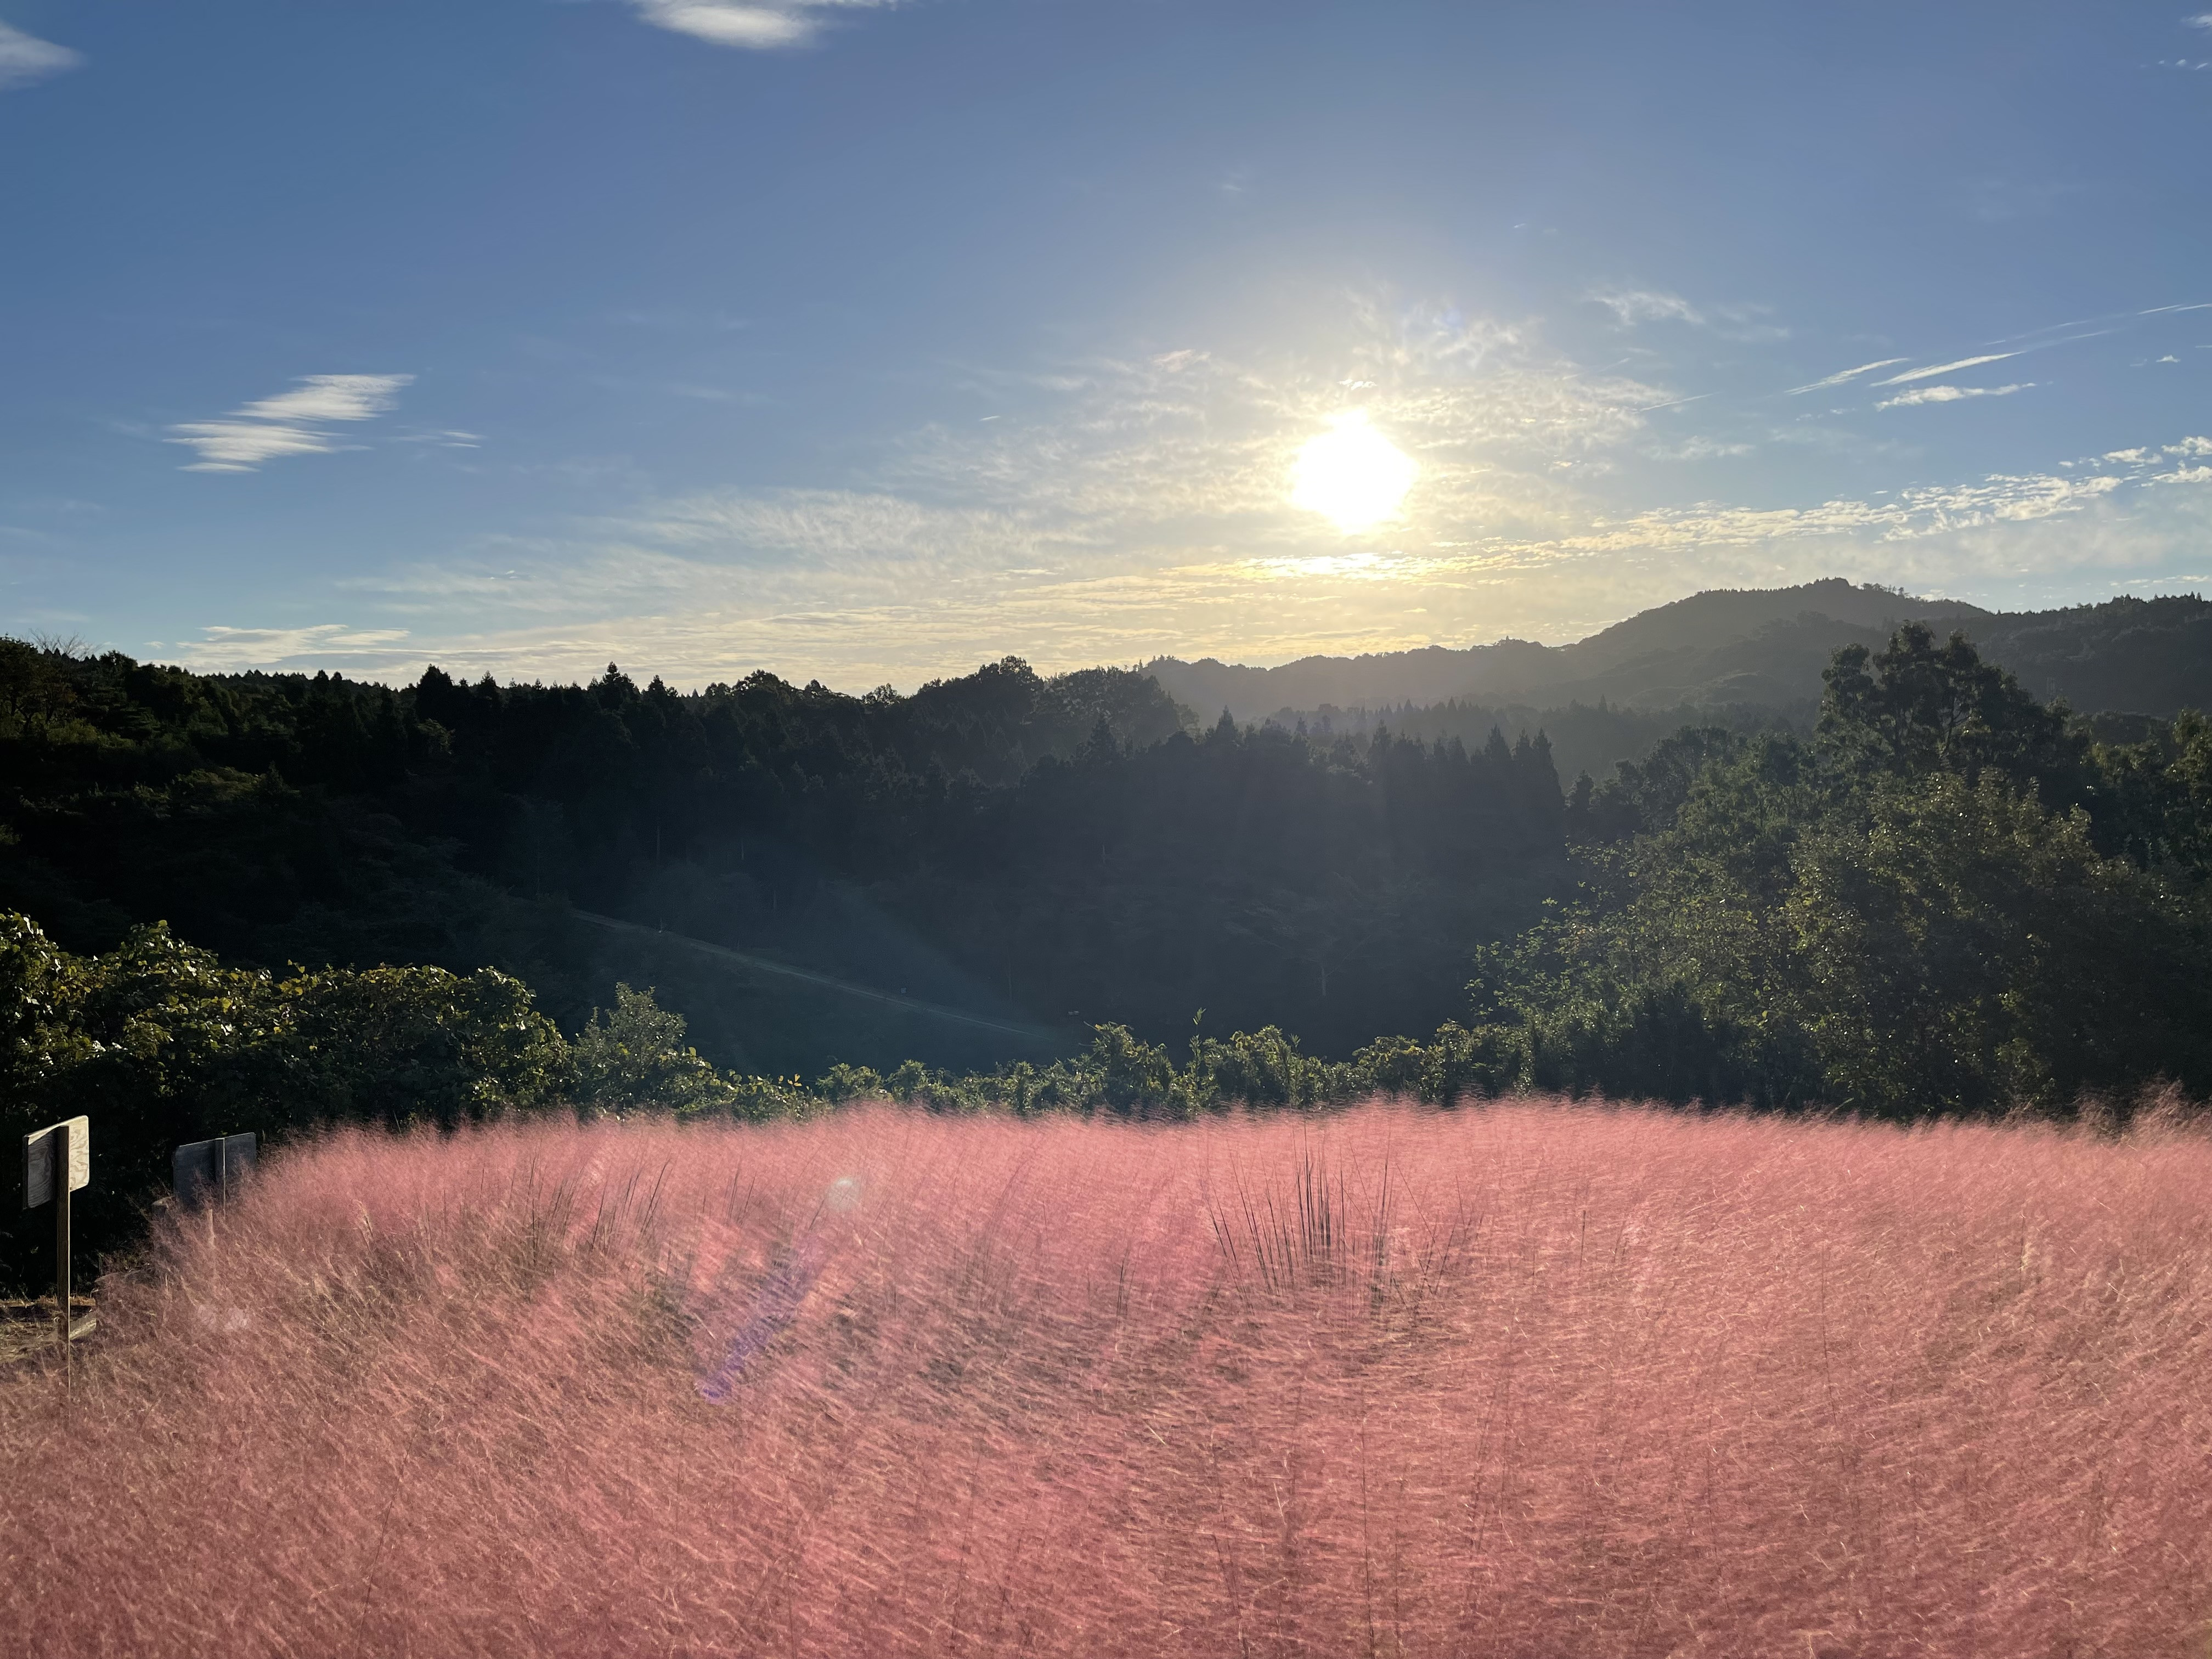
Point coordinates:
[(61, 1236)]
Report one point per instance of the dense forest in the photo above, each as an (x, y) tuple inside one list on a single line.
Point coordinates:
[(264, 901), (1047, 852), (1583, 736)]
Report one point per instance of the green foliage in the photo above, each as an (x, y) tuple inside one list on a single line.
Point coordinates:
[(1919, 707), (391, 1044), (159, 1042), (635, 1055), (2154, 796), (1922, 911), (1955, 947), (35, 692), (1645, 795)]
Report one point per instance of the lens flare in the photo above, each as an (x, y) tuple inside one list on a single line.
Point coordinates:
[(1351, 475)]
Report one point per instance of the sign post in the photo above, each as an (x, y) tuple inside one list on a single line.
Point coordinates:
[(207, 1171), (62, 1251), (57, 1162)]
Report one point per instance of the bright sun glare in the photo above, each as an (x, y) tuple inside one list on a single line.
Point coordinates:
[(1352, 474)]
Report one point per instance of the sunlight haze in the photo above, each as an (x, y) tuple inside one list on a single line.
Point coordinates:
[(1351, 475)]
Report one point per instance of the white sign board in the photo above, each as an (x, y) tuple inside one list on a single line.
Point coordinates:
[(39, 1161)]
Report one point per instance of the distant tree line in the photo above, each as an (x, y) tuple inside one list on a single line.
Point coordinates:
[(1583, 736)]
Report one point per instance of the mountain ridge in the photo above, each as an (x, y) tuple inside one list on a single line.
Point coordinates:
[(1749, 648)]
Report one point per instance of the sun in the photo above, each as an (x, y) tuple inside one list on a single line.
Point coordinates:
[(1352, 474)]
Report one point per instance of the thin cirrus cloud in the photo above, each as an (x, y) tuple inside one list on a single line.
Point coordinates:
[(1935, 369), (1846, 374), (1950, 394), (294, 423), (762, 27), (1197, 443), (25, 59), (1744, 323)]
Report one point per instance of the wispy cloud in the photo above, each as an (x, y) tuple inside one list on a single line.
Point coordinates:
[(1945, 369), (245, 445), (219, 648), (292, 422), (759, 28), (1198, 444), (1846, 374), (1950, 394), (1702, 449), (25, 59), (1632, 306), (330, 397), (856, 534)]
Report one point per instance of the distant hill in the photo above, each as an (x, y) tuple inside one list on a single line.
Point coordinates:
[(1757, 648), (2136, 656)]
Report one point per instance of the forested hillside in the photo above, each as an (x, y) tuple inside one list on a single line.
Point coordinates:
[(1049, 851), (1590, 738)]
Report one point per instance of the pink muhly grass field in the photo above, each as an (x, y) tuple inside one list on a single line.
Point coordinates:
[(1537, 1379)]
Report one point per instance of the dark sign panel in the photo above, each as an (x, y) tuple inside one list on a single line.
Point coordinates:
[(208, 1170)]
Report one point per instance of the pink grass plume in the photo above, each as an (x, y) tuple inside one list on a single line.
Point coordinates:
[(1533, 1379)]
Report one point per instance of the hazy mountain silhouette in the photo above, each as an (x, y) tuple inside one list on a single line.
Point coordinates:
[(1747, 648)]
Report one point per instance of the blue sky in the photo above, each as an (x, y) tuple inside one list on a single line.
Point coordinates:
[(869, 342)]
